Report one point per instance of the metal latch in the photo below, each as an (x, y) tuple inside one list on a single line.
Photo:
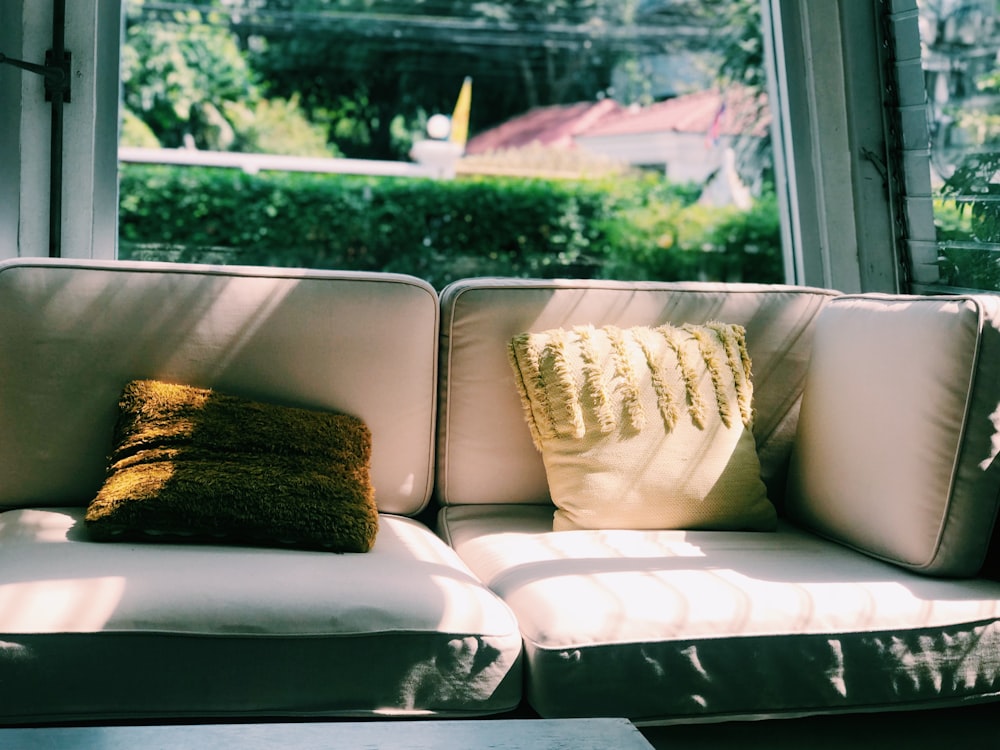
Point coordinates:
[(57, 76)]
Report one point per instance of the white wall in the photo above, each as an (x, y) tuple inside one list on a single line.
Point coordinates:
[(686, 155)]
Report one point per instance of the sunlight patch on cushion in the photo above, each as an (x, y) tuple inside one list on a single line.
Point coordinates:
[(192, 464)]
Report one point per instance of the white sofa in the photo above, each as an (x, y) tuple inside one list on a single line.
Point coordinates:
[(876, 428)]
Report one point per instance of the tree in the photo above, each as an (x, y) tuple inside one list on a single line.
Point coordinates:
[(188, 82), (373, 71), (369, 73), (741, 47), (179, 77)]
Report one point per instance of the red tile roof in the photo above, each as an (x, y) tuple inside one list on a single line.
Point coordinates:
[(691, 113), (549, 126)]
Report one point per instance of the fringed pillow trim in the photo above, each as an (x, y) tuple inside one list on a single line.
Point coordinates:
[(524, 361), (733, 340), (709, 353), (628, 383), (695, 403), (559, 402), (593, 379), (665, 400), (741, 341), (564, 394)]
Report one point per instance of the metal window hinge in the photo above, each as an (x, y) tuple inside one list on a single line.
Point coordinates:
[(57, 75)]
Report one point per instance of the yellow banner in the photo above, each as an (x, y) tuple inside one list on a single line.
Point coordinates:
[(460, 117)]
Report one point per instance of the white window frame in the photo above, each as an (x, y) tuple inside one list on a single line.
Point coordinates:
[(89, 226), (827, 83)]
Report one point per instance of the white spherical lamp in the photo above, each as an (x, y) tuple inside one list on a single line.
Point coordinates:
[(438, 127)]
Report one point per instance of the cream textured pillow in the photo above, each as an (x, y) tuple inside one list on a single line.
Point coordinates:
[(644, 428)]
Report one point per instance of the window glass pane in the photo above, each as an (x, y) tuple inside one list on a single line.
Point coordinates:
[(961, 44), (450, 138)]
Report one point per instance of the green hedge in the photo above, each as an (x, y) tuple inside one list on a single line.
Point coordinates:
[(632, 228), (965, 234)]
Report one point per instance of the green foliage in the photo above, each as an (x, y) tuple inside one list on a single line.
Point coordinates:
[(741, 41), (443, 230), (186, 81), (963, 261), (966, 146), (969, 267), (967, 218), (741, 47), (279, 126), (366, 77), (665, 237), (179, 76), (749, 242), (135, 132), (395, 67)]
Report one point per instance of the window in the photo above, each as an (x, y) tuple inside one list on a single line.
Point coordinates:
[(833, 157), (570, 104)]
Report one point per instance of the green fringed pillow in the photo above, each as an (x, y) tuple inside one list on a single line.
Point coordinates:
[(191, 464), (645, 427)]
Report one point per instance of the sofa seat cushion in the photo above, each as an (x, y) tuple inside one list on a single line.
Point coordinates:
[(96, 631), (662, 626)]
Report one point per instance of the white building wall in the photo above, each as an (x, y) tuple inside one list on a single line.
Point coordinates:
[(685, 156)]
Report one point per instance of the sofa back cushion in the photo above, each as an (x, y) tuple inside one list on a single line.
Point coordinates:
[(898, 433), (72, 334), (485, 452)]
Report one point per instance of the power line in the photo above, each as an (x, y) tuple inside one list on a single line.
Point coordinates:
[(391, 24), (661, 12)]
